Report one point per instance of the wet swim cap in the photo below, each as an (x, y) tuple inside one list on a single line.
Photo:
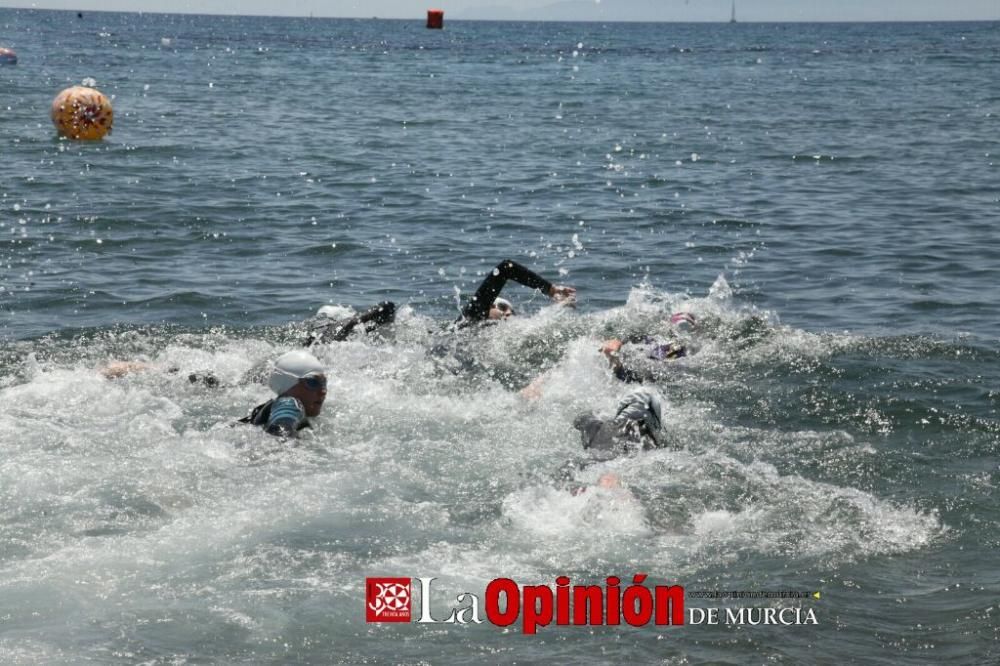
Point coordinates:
[(291, 367), (335, 312), (503, 304), (640, 407)]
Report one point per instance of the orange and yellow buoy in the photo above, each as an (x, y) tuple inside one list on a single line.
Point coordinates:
[(82, 113), (7, 56)]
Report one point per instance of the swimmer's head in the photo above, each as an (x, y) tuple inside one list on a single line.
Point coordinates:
[(300, 375), (501, 309), (641, 409), (291, 367), (683, 322)]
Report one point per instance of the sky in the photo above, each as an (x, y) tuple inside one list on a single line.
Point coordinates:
[(580, 10)]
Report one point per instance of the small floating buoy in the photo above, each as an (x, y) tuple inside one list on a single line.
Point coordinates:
[(82, 113), (435, 19), (7, 56)]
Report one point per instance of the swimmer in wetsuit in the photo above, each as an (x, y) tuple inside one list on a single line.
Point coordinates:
[(299, 380), (486, 304), (638, 359), (119, 369), (335, 324), (635, 426), (330, 324), (642, 368)]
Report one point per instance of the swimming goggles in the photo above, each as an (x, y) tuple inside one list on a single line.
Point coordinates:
[(314, 382)]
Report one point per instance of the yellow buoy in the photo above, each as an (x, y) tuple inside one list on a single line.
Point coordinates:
[(82, 113)]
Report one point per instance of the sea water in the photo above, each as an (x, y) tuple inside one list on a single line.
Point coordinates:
[(823, 198)]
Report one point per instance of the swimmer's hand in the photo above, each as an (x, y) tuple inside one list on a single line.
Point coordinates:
[(610, 481), (611, 347), (562, 294)]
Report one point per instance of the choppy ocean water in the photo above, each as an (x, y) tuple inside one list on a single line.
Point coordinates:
[(823, 197)]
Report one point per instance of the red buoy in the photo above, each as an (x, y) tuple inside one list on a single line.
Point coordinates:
[(435, 19)]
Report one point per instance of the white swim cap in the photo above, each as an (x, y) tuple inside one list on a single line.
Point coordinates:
[(336, 312), (291, 367), (503, 305)]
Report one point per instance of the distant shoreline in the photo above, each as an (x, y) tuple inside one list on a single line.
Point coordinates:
[(456, 19)]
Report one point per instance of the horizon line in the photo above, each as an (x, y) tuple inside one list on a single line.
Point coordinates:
[(421, 17)]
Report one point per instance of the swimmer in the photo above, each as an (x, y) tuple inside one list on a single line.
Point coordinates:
[(299, 380), (456, 354), (335, 323), (607, 481), (118, 369), (635, 426), (642, 358), (486, 304), (638, 369), (330, 324)]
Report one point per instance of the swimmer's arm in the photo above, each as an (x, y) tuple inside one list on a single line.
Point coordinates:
[(377, 315), (479, 305), (610, 349), (382, 313), (287, 416), (117, 369)]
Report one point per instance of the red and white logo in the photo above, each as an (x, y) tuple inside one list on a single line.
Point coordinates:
[(610, 604), (387, 599)]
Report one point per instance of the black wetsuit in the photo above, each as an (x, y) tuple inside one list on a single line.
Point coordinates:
[(338, 331), (607, 438), (454, 348), (603, 440), (478, 307), (283, 416)]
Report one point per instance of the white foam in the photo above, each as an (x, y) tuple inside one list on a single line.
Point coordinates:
[(591, 512), (135, 492)]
